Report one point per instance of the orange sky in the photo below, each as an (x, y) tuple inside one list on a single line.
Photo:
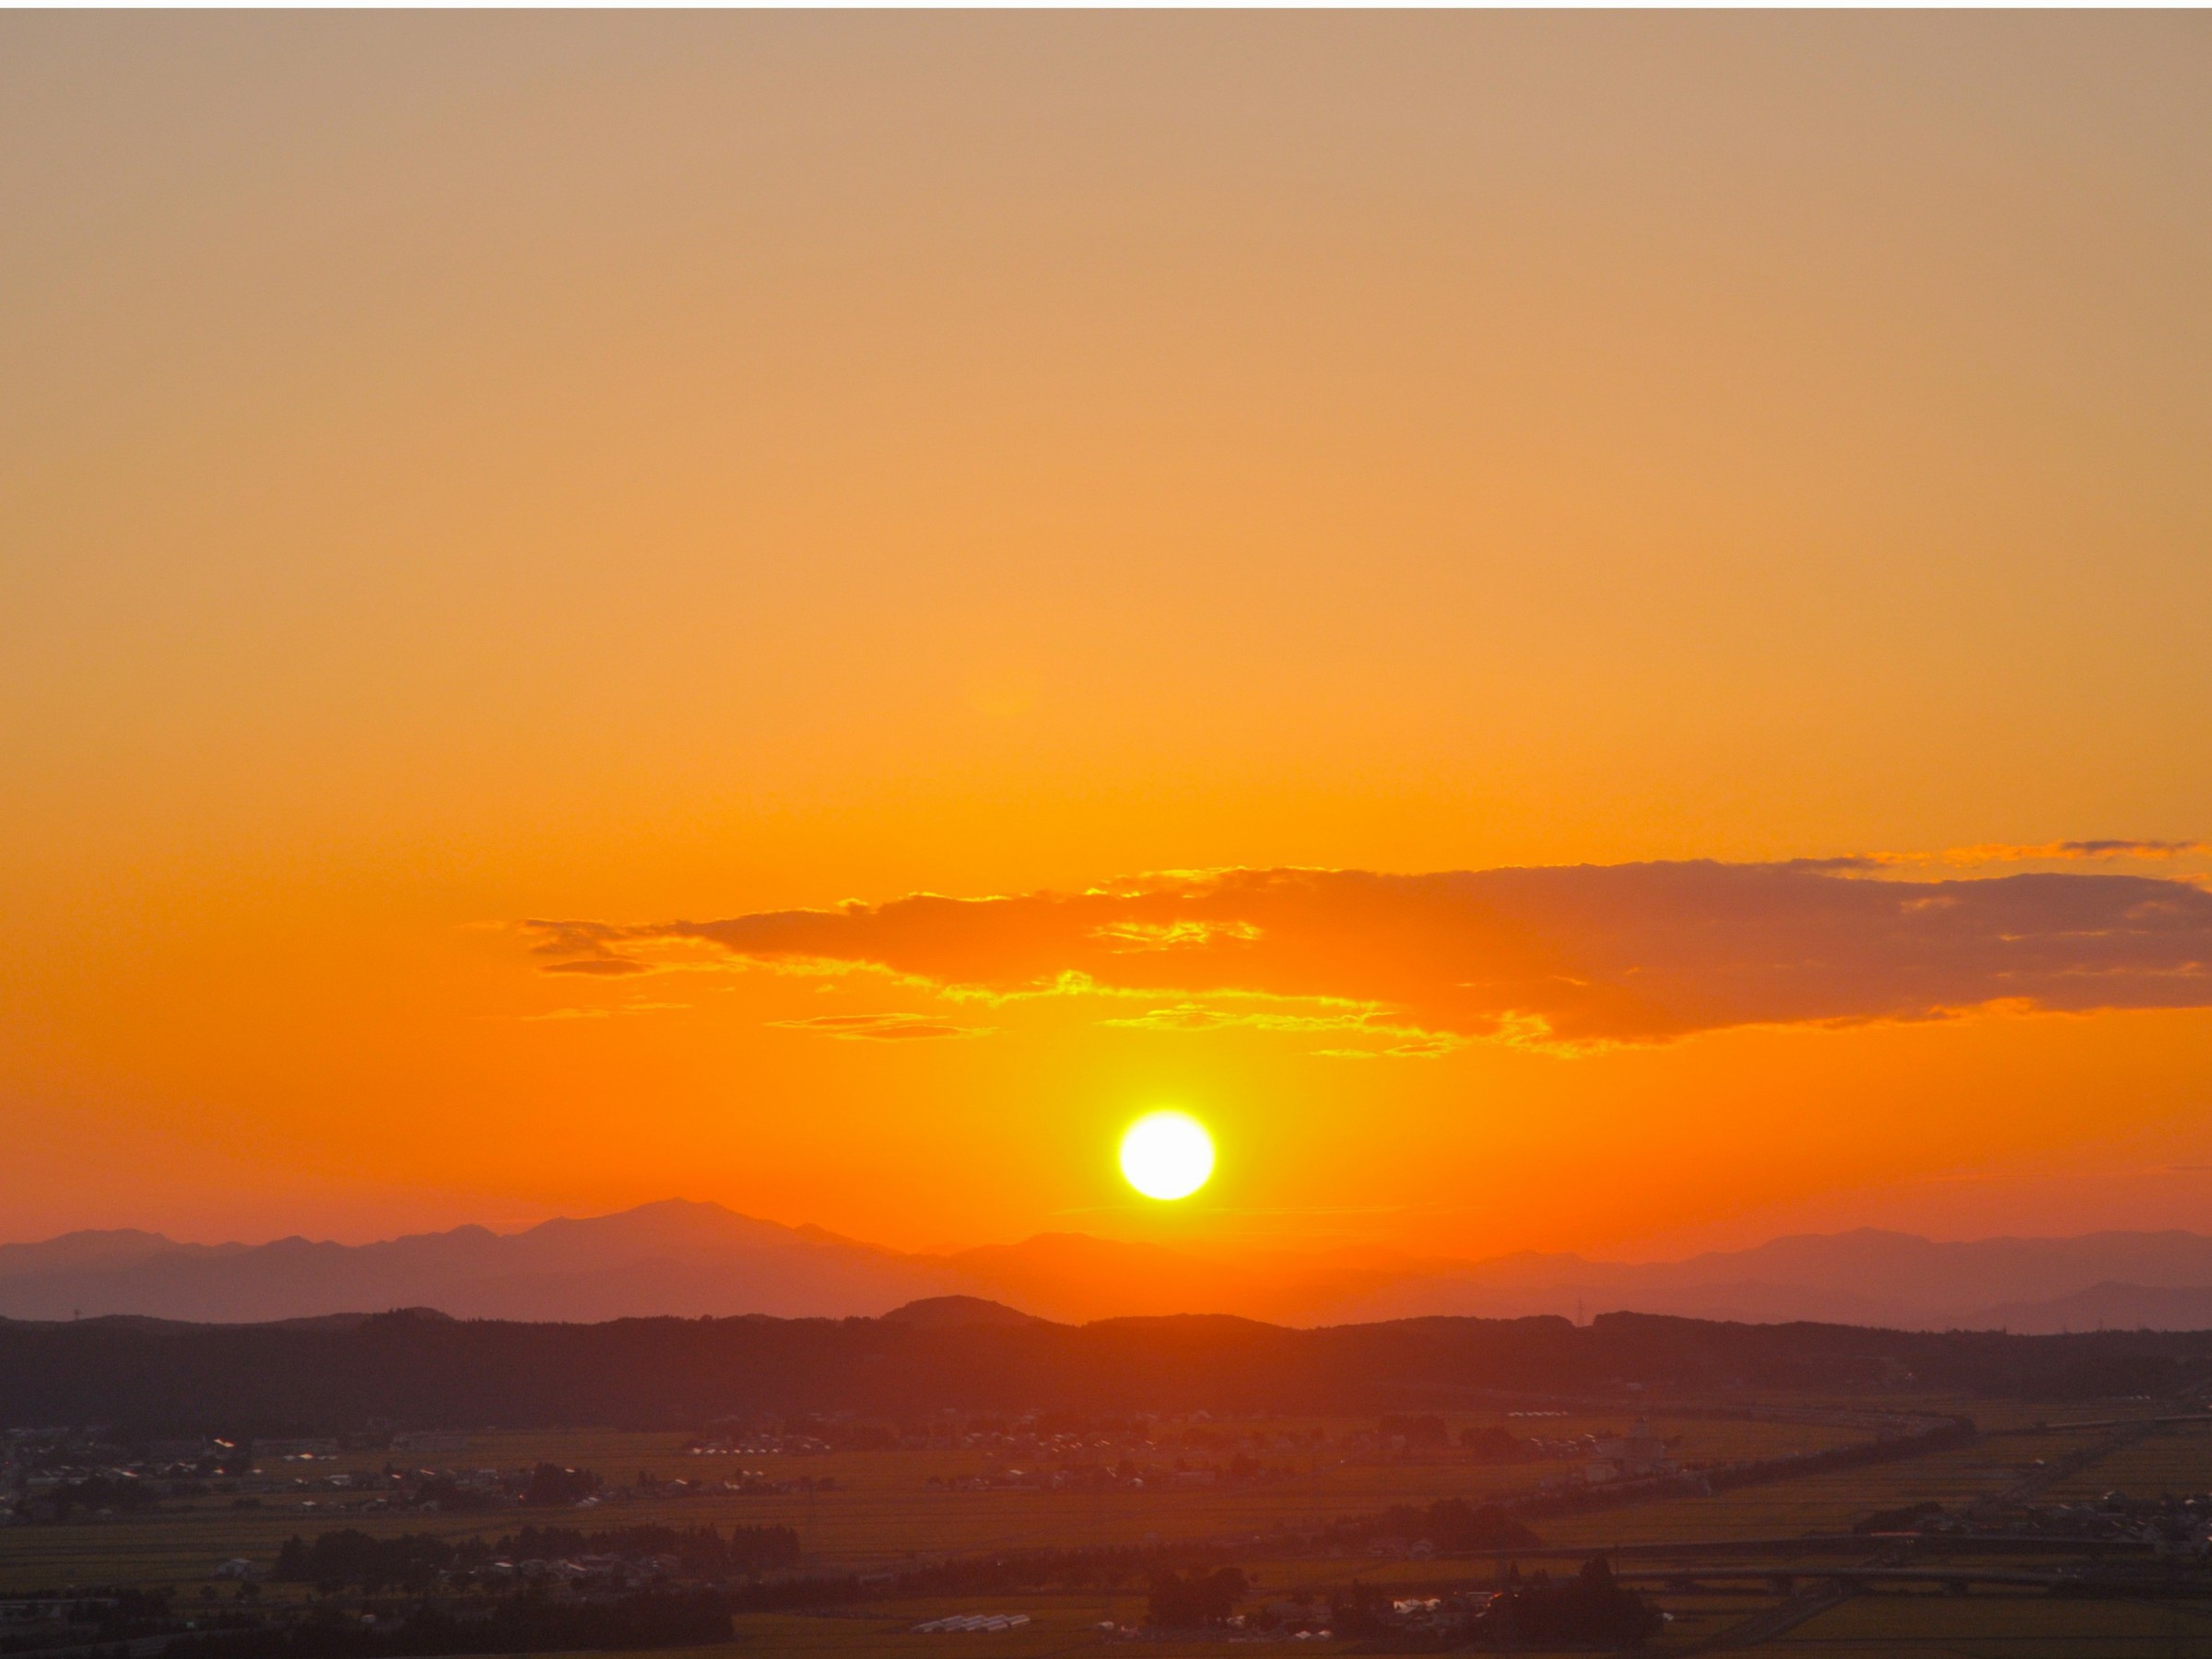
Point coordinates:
[(462, 469)]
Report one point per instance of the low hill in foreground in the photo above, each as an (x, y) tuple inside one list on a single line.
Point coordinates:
[(430, 1371)]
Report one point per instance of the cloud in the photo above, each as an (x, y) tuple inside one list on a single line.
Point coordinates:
[(1401, 1041), (585, 946), (879, 1028), (1562, 955), (2045, 853), (606, 1011), (1202, 1016), (1174, 936), (1428, 1046), (2133, 849)]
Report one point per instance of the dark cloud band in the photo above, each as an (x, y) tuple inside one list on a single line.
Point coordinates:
[(1566, 954)]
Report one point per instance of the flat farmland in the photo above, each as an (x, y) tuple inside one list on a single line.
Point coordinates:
[(2176, 1459), (882, 1510), (1879, 1627), (1997, 1627), (1824, 1502)]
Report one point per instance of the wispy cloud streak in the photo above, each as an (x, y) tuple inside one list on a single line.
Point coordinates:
[(879, 1028), (2064, 852), (1568, 955)]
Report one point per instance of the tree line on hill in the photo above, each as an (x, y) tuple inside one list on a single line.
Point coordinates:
[(672, 1373)]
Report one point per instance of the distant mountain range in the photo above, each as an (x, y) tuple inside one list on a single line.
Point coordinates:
[(697, 1259), (344, 1373)]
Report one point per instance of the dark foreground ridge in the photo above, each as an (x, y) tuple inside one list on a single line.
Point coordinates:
[(432, 1372)]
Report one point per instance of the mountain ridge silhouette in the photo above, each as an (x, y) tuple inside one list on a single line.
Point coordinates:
[(690, 1258)]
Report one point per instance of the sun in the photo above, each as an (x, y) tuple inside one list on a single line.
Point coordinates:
[(1167, 1155)]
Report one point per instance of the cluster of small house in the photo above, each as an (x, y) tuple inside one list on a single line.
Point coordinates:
[(2174, 1527), (758, 1445), (1598, 1459), (467, 1490), (602, 1569), (971, 1622), (47, 1474), (1636, 1455), (1127, 1476), (1298, 1618)]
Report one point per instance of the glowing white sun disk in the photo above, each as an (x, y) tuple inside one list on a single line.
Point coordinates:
[(1167, 1155)]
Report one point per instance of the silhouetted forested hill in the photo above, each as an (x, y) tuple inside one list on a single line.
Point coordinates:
[(430, 1371)]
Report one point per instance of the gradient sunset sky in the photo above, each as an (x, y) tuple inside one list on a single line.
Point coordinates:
[(527, 541)]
